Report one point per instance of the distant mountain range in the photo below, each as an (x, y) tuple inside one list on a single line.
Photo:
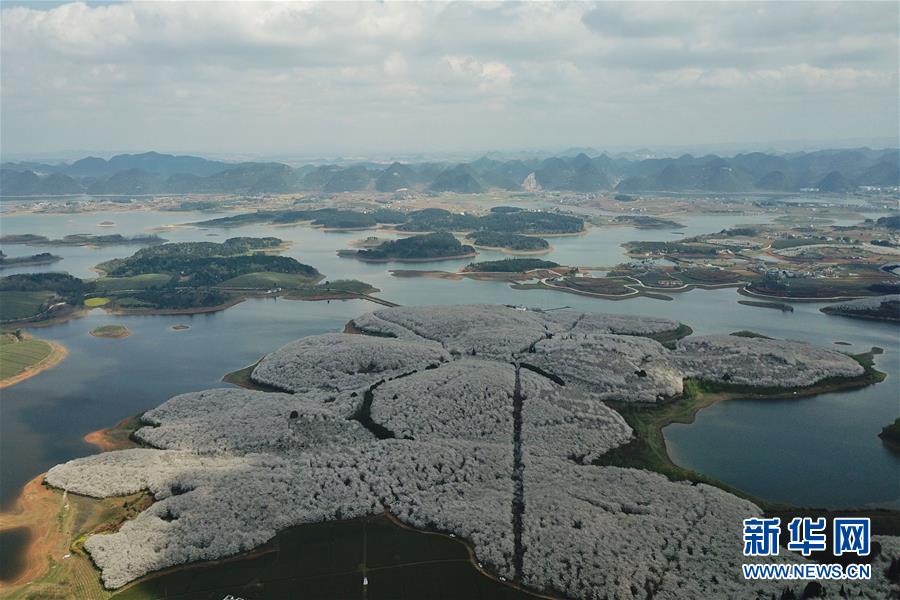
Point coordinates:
[(154, 173)]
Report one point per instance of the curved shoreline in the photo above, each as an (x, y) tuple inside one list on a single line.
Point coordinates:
[(58, 353), (649, 450), (513, 251), (413, 260)]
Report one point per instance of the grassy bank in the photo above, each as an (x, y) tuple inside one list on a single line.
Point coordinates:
[(22, 357)]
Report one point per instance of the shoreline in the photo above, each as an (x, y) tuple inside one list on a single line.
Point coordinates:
[(649, 450), (39, 506), (58, 353), (514, 252), (412, 260)]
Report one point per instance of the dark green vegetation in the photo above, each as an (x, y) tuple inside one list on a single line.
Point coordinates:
[(430, 246), (136, 282), (43, 258), (891, 222), (803, 288), (510, 265), (834, 171), (707, 276), (329, 218), (515, 221), (173, 299), (83, 239), (648, 448), (749, 334), (18, 305), (891, 435), (505, 220), (888, 310), (189, 276), (207, 263), (671, 248), (32, 295), (329, 561), (508, 241), (763, 304), (647, 222)]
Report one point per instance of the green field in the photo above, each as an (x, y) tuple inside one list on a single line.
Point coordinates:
[(268, 280), (329, 560), (21, 305), (95, 302), (135, 282), (16, 354)]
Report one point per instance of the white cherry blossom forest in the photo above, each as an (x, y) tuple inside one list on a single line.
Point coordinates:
[(480, 421)]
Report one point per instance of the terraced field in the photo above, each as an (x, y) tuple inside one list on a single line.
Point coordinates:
[(16, 305), (17, 355)]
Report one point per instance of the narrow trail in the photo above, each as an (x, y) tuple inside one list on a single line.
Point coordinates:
[(518, 501)]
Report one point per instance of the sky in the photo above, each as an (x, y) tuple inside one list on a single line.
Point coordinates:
[(350, 79)]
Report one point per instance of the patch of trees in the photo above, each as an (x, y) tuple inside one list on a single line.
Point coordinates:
[(670, 248), (70, 288), (517, 221), (82, 239), (511, 265), (181, 298), (34, 259), (511, 241), (210, 270), (430, 245), (891, 222), (207, 263)]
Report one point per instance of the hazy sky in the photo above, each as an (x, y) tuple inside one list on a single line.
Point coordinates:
[(353, 78)]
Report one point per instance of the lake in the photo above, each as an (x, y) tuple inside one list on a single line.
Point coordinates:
[(821, 451)]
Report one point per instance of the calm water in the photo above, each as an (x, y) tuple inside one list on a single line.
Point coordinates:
[(821, 451), (12, 556)]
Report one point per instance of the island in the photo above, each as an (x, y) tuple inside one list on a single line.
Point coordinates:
[(878, 308), (529, 435), (646, 222), (510, 242), (510, 265), (417, 248), (174, 278), (500, 219), (890, 435), (115, 332), (23, 357), (43, 258), (83, 239)]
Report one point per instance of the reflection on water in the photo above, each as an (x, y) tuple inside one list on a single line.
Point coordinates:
[(12, 552), (817, 451)]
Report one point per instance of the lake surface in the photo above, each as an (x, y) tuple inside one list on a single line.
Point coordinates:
[(821, 451)]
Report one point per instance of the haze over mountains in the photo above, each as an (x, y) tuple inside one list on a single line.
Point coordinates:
[(153, 173)]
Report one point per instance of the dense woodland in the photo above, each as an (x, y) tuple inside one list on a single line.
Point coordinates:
[(510, 241), (511, 265), (431, 245), (207, 263)]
